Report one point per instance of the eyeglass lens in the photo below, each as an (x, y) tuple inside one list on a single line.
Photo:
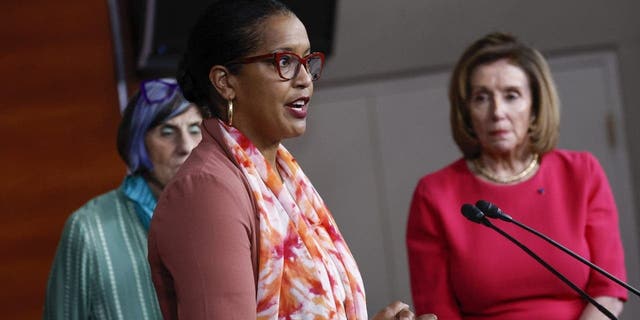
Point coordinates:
[(289, 64)]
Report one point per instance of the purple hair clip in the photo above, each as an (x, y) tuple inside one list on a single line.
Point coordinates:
[(157, 90)]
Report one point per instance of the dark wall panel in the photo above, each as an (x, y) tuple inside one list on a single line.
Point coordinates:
[(58, 119)]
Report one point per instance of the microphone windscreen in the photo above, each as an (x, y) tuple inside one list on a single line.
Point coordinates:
[(492, 211), (472, 213), (488, 208)]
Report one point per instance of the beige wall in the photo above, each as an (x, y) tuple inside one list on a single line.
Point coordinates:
[(402, 39), (406, 37)]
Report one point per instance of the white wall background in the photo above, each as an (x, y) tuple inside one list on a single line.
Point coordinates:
[(368, 144), (379, 119), (379, 39)]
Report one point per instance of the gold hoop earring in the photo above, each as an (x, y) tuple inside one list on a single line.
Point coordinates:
[(229, 112)]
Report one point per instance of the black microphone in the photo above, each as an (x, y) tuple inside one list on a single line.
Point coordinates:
[(474, 214), (492, 211)]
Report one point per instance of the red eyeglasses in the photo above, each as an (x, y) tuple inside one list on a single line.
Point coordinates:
[(288, 63)]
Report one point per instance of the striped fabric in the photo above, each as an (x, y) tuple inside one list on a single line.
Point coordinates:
[(100, 270)]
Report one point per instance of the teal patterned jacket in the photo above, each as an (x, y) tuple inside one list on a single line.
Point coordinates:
[(100, 270)]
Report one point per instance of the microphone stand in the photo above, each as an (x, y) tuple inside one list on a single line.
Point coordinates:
[(498, 214), (583, 294), (474, 214), (578, 257)]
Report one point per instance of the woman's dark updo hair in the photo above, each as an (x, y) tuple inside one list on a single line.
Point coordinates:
[(227, 30)]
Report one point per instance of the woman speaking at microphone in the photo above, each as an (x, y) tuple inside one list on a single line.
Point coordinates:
[(505, 120), (240, 232)]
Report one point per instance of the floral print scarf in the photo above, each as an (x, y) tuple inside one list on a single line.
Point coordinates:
[(306, 270)]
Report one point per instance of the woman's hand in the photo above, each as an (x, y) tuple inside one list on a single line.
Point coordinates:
[(612, 304), (400, 311)]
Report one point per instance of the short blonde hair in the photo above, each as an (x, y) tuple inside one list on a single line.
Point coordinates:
[(544, 129)]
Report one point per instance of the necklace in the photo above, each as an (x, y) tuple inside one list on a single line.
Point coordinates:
[(479, 168)]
